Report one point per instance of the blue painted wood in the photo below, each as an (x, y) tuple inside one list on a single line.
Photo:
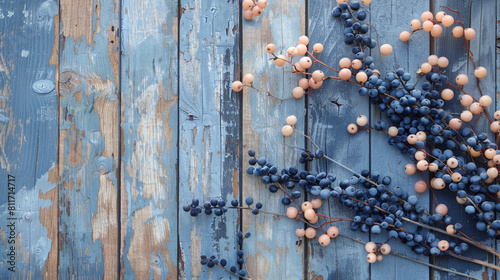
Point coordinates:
[(149, 87), (272, 252), (208, 132), (28, 139), (474, 14), (89, 139), (328, 127), (394, 17)]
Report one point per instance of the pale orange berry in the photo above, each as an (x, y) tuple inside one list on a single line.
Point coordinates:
[(366, 2), (371, 247), (248, 78), (310, 233), (304, 40), (448, 20), (485, 101), (455, 123), (461, 200), (443, 245), (420, 186), (345, 74), (461, 79), (466, 100), (419, 155), (427, 25), (473, 152), (457, 31), (380, 258), (247, 4), (332, 232), (361, 77), (298, 92), (433, 167), (415, 24), (490, 153), (356, 64), (447, 94), (305, 62), (426, 16), (345, 62), (352, 128), (421, 136), (318, 75), (316, 203), (410, 169), (324, 240), (492, 172), (439, 184), (315, 85), (262, 4), (248, 14), (393, 131), (433, 59), (318, 48), (495, 128), (475, 108), (292, 212), (287, 130), (469, 33), (385, 249), (385, 49), (425, 67), (412, 139), (280, 60), (452, 162), (362, 120), (291, 51), (237, 86), (480, 72), (497, 115), (405, 36), (309, 214), (304, 83), (436, 30), (466, 116), (300, 232), (450, 229), (291, 120), (371, 258), (443, 62), (422, 165), (439, 16), (306, 205), (301, 49), (456, 177), (441, 209), (256, 11)]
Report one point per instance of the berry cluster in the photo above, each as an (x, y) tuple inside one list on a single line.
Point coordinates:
[(375, 207), (253, 8)]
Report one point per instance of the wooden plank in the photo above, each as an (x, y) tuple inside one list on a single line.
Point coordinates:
[(328, 127), (392, 18), (149, 127), (475, 14), (272, 252), (89, 139), (497, 86), (28, 139), (208, 132)]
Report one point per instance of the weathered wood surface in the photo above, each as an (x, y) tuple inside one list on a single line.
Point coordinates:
[(114, 114)]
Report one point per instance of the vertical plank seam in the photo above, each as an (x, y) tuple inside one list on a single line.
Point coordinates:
[(240, 130), (179, 257), (305, 252), (432, 45), (119, 129), (59, 118)]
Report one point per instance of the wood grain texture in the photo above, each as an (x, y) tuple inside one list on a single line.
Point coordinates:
[(28, 140), (475, 14), (394, 17), (89, 140), (328, 127), (208, 132), (149, 87), (273, 251)]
